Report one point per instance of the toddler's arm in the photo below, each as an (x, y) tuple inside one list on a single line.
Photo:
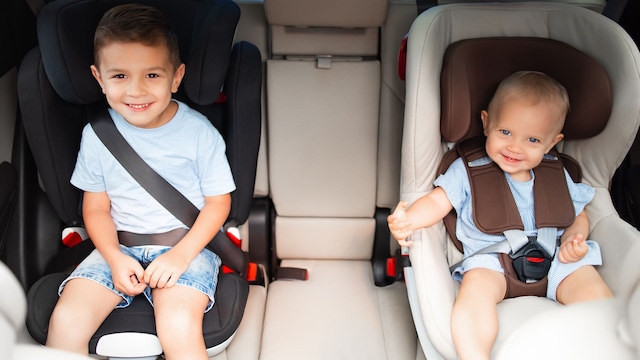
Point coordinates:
[(126, 272), (573, 243), (165, 270), (424, 212)]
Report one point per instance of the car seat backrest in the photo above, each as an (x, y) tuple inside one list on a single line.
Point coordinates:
[(205, 48), (551, 21), (323, 86), (473, 68), (595, 5)]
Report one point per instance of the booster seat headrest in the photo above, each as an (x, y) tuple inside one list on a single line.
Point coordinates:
[(473, 68), (65, 36)]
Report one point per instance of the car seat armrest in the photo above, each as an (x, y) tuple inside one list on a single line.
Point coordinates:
[(620, 244)]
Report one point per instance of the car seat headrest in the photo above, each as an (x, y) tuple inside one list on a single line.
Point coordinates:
[(473, 68), (65, 36), (328, 13)]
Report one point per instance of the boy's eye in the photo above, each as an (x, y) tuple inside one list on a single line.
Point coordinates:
[(153, 76), (118, 76), (533, 140)]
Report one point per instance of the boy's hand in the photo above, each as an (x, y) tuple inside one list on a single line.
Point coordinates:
[(127, 275), (399, 225), (166, 269), (573, 249)]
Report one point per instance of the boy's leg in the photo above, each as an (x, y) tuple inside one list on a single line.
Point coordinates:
[(179, 311), (474, 319), (583, 284), (81, 309)]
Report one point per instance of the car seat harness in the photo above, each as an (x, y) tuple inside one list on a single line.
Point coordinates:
[(525, 260)]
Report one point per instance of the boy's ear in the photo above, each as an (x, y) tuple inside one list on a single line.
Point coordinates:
[(177, 78), (96, 75)]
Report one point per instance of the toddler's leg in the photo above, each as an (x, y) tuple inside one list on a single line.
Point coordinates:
[(179, 311), (583, 284), (474, 319), (81, 309)]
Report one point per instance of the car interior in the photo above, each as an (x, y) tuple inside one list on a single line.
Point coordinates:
[(332, 112)]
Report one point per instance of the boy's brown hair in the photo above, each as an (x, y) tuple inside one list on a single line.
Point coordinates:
[(533, 85), (136, 23)]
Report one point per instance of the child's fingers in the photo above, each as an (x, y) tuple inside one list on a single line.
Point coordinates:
[(405, 242)]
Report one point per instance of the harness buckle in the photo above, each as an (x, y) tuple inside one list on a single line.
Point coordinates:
[(531, 263)]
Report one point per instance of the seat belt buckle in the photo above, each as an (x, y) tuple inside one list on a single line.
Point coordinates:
[(233, 233), (397, 263)]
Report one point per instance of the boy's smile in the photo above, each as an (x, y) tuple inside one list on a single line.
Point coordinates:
[(138, 81)]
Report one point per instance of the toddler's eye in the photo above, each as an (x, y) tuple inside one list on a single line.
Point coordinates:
[(505, 132)]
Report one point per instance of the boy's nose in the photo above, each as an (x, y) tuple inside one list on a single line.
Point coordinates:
[(136, 88)]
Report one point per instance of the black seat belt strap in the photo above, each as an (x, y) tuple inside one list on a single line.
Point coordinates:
[(167, 195)]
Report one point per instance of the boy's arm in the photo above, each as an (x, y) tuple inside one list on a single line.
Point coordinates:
[(125, 271), (573, 245), (424, 212), (165, 270)]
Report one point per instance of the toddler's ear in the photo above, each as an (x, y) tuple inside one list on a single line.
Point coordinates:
[(484, 116), (555, 141)]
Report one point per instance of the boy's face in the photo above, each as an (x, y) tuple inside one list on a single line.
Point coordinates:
[(519, 134), (138, 81)]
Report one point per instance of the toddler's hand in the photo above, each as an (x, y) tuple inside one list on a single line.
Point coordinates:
[(399, 225), (127, 276), (165, 270), (573, 249)]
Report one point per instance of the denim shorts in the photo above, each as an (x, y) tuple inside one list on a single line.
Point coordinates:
[(202, 273)]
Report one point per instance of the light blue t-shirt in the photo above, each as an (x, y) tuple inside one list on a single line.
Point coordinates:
[(188, 152), (455, 183)]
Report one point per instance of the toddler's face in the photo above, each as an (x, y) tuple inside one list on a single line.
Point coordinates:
[(138, 81), (519, 133)]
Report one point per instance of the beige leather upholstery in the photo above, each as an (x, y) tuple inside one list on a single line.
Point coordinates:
[(588, 329), (13, 309), (595, 5), (323, 103)]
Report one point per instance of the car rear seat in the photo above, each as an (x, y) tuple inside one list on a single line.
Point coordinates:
[(13, 308), (323, 102)]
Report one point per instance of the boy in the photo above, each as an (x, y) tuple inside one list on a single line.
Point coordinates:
[(523, 122), (138, 67)]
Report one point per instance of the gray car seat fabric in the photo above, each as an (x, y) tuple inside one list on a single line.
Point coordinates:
[(431, 289)]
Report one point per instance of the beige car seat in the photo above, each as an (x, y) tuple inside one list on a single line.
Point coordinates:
[(530, 327), (13, 309)]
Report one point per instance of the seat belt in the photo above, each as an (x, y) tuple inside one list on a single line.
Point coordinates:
[(161, 190), (516, 240)]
